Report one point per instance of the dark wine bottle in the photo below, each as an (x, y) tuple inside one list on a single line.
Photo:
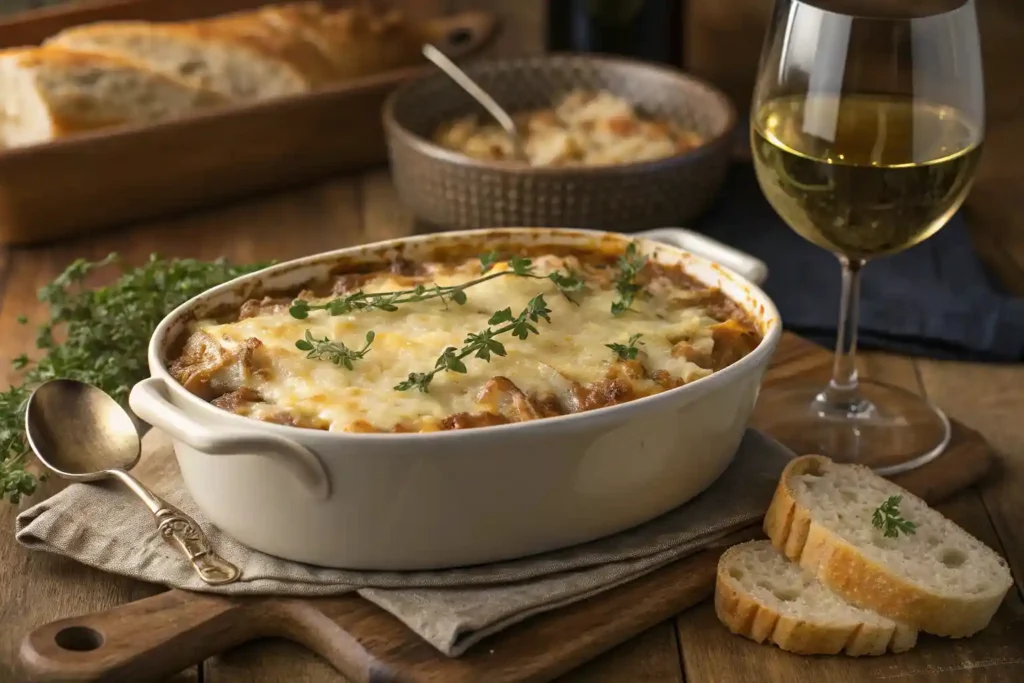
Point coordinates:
[(650, 30)]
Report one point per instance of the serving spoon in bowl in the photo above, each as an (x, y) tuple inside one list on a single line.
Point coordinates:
[(81, 433), (474, 90)]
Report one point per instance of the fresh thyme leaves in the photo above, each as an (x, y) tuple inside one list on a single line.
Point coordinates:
[(567, 283), (106, 333), (629, 350), (630, 264), (483, 344), (336, 352), (487, 260), (887, 518)]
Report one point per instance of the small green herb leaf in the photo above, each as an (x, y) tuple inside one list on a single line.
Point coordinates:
[(521, 266), (887, 518), (630, 264), (502, 316), (335, 352), (487, 260), (629, 350)]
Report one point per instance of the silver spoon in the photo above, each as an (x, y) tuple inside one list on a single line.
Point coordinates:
[(479, 94), (82, 434)]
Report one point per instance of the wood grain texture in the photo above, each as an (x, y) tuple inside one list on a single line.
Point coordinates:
[(369, 645)]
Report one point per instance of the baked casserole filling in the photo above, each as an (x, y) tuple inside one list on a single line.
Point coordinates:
[(457, 343)]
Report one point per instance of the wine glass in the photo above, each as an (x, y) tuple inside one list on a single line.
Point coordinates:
[(866, 130)]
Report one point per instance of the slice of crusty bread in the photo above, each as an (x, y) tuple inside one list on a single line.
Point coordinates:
[(227, 61), (49, 92), (940, 579), (761, 595)]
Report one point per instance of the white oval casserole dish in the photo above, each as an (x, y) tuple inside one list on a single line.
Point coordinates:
[(454, 498)]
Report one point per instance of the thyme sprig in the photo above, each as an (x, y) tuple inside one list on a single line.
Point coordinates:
[(630, 264), (567, 283), (629, 350), (483, 344), (887, 517), (97, 335), (335, 352)]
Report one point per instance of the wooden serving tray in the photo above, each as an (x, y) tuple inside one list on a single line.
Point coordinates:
[(163, 634), (109, 177)]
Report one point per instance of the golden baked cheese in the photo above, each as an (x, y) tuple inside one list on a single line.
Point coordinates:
[(252, 365)]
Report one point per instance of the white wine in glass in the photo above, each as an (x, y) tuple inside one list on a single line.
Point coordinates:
[(866, 130)]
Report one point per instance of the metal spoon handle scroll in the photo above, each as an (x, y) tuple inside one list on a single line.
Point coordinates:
[(182, 532), (460, 77)]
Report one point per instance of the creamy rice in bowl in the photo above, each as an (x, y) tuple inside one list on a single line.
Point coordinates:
[(582, 128), (612, 144)]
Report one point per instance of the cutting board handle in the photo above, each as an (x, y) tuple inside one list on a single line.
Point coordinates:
[(146, 640), (462, 34)]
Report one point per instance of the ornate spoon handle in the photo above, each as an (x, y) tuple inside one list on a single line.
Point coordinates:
[(182, 532)]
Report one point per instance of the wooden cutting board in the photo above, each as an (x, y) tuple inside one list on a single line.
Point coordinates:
[(166, 633)]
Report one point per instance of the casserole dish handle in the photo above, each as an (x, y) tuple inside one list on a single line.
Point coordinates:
[(751, 268), (148, 400)]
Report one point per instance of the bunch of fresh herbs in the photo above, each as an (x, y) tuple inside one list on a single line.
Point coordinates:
[(97, 335)]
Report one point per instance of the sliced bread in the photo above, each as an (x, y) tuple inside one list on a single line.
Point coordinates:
[(237, 65), (761, 595), (46, 93), (936, 577)]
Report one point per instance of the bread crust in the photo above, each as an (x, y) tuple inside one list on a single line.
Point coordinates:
[(859, 580), (77, 114), (317, 45), (746, 616)]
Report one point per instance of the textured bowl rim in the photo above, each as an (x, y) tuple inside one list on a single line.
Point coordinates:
[(426, 147)]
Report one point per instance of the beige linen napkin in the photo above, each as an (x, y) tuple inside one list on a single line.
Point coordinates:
[(105, 526)]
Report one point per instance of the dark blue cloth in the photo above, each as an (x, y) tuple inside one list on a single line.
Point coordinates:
[(933, 300)]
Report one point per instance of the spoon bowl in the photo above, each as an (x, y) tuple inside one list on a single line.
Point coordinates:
[(81, 433)]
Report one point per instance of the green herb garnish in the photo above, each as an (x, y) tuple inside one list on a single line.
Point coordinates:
[(887, 518), (567, 283), (627, 351), (483, 344), (336, 352), (630, 264), (106, 333)]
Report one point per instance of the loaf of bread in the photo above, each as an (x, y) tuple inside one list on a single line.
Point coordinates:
[(47, 93), (259, 54), (117, 72), (761, 595), (934, 576)]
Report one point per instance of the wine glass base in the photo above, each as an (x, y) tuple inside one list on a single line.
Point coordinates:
[(888, 429)]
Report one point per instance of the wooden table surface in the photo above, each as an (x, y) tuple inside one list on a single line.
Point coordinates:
[(35, 588)]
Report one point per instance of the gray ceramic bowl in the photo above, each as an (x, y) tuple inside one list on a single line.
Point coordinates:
[(449, 189)]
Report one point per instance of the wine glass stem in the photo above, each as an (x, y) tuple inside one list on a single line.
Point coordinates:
[(841, 394)]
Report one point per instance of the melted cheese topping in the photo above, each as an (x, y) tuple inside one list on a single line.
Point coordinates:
[(571, 348)]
